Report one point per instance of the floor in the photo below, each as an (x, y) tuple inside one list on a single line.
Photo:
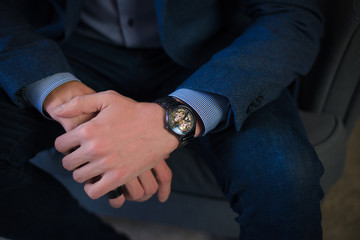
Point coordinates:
[(341, 208)]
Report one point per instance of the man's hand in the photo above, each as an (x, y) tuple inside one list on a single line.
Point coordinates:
[(138, 189), (121, 143), (63, 94), (146, 185)]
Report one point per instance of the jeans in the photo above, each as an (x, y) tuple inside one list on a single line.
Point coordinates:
[(268, 171)]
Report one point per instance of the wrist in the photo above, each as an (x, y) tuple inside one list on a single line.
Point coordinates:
[(180, 120), (171, 139), (63, 94), (199, 127)]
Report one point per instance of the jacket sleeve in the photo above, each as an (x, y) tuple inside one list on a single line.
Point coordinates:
[(280, 44), (25, 56)]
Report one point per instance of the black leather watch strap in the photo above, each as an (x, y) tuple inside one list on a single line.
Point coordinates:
[(168, 103)]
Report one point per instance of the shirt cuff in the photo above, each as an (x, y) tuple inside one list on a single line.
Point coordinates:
[(36, 92), (211, 108)]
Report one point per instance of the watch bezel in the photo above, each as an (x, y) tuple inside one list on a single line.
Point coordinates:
[(181, 134), (170, 104)]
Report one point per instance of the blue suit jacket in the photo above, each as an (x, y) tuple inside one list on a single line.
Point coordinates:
[(245, 50)]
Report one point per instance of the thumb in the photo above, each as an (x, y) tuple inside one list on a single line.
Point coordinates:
[(79, 105)]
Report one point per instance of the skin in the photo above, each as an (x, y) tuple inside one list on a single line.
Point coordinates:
[(112, 136)]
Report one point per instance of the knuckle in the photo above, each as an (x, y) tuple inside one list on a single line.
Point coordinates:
[(70, 125), (151, 190), (76, 100), (120, 174), (107, 163), (111, 92), (93, 149), (139, 194), (86, 131)]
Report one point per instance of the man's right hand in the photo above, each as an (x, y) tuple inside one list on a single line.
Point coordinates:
[(63, 94), (141, 188)]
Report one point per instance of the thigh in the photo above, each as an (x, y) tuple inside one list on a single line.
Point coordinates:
[(23, 132), (33, 204), (270, 174)]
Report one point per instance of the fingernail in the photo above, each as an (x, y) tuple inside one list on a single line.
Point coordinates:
[(59, 109)]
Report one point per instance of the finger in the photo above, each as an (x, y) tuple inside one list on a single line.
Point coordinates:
[(108, 182), (87, 172), (117, 202), (149, 184), (67, 142), (163, 176), (89, 187), (74, 160), (114, 202), (133, 190), (72, 123), (82, 105)]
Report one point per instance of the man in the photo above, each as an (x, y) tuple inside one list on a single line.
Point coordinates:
[(226, 66)]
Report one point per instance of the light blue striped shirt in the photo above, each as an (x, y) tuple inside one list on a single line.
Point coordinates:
[(36, 92), (211, 108)]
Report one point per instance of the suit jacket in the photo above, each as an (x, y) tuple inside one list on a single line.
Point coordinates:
[(245, 50)]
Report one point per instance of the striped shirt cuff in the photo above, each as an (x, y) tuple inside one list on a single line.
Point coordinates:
[(36, 92), (211, 108)]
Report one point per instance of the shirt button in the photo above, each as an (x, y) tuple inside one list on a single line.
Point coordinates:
[(130, 22), (255, 104)]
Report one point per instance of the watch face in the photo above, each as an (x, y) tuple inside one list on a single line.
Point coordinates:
[(181, 120)]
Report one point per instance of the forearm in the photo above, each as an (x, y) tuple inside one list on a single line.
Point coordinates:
[(279, 46), (25, 56)]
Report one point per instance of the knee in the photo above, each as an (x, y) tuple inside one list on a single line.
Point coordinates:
[(286, 189), (280, 177), (291, 169)]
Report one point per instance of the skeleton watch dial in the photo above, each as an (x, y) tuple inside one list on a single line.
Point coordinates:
[(181, 120)]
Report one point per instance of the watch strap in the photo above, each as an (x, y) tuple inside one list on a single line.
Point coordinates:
[(168, 103)]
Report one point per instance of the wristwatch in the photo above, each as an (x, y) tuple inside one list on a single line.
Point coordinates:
[(180, 120)]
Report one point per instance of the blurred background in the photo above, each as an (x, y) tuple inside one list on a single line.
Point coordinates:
[(341, 206)]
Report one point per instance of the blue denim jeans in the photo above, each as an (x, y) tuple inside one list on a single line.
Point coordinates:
[(268, 171)]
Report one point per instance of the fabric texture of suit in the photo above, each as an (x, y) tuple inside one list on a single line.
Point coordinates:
[(242, 55), (247, 51)]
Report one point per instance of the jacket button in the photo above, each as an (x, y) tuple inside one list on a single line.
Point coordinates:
[(255, 104)]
